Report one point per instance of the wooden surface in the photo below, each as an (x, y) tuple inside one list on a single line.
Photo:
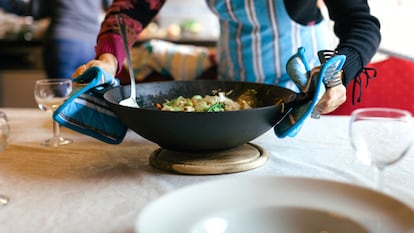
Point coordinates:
[(242, 158)]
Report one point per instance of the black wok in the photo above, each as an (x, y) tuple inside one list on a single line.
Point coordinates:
[(200, 131)]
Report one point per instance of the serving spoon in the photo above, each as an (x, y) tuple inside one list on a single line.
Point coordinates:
[(132, 100)]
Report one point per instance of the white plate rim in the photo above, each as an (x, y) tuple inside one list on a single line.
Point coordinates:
[(187, 205)]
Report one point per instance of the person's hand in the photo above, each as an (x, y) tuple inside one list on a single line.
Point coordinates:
[(331, 99), (106, 61)]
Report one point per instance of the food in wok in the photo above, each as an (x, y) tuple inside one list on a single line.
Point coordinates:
[(219, 102)]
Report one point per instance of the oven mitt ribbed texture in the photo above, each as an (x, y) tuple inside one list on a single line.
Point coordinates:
[(86, 110), (299, 71)]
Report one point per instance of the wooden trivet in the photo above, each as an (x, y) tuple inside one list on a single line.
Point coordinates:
[(242, 158)]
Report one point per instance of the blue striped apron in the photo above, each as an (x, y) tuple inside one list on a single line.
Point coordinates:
[(257, 37)]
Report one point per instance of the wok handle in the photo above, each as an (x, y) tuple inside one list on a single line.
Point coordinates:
[(299, 100)]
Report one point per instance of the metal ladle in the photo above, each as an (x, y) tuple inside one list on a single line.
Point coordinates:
[(132, 100)]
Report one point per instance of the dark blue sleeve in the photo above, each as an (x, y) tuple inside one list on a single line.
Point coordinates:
[(18, 7), (358, 32)]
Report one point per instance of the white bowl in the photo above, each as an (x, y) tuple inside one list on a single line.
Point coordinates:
[(272, 204)]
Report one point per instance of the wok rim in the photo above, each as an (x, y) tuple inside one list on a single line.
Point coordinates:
[(128, 87), (198, 137)]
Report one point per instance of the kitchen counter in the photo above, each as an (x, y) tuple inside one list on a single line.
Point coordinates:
[(21, 64), (26, 55), (20, 54)]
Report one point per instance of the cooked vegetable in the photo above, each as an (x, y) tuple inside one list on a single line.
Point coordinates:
[(210, 103)]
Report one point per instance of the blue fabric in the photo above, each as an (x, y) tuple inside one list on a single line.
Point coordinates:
[(18, 7), (258, 37), (63, 56), (298, 70), (87, 112)]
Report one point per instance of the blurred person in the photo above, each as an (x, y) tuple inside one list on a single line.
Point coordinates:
[(258, 37), (70, 37)]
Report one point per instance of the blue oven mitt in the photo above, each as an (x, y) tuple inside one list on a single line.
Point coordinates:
[(87, 112), (299, 71)]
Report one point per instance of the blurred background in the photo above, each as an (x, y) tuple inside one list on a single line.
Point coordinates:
[(180, 21)]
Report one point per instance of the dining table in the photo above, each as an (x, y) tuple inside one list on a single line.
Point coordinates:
[(91, 186)]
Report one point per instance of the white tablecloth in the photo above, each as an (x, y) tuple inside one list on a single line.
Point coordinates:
[(90, 186)]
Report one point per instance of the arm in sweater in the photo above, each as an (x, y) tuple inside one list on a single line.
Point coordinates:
[(358, 32), (137, 15)]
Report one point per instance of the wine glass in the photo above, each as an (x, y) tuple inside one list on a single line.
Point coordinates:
[(4, 131), (49, 95), (4, 136), (380, 137)]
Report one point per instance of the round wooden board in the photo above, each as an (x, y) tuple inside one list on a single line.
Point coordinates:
[(242, 158)]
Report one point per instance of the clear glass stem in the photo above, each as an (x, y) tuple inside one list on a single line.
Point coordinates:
[(4, 200), (56, 129), (56, 140), (379, 178)]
